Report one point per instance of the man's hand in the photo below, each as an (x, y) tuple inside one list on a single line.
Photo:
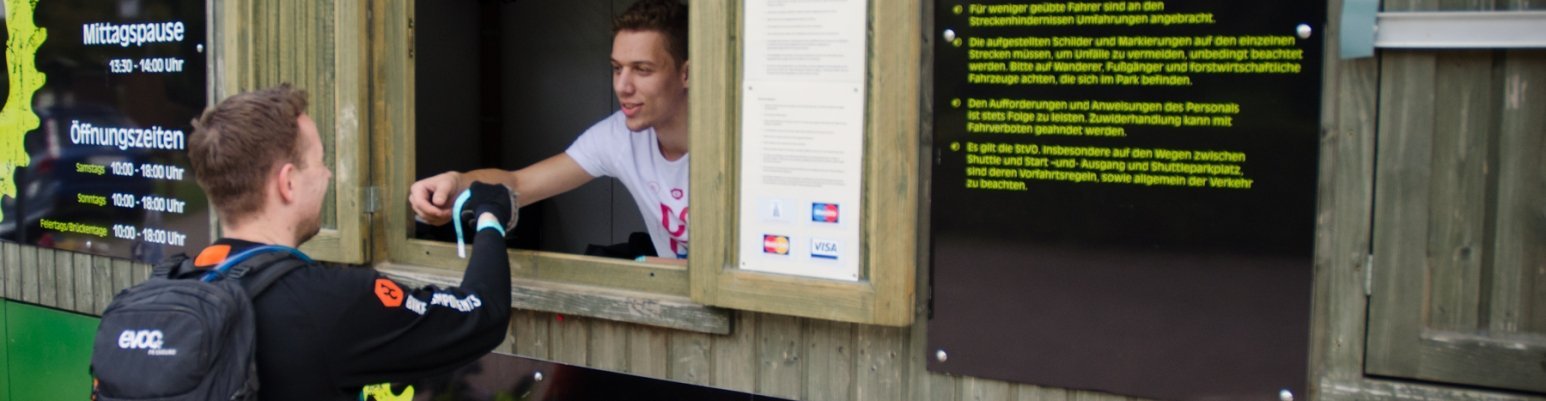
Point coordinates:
[(489, 199), (431, 197)]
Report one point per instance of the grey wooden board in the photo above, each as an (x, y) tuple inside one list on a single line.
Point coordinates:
[(6, 274), (25, 260), (85, 285), (48, 278), (64, 276), (880, 364), (569, 336), (829, 361), (608, 345), (735, 354), (1461, 167), (647, 351), (101, 284), (779, 355), (1519, 282), (690, 357)]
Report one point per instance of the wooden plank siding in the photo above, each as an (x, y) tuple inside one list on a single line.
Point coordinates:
[(1519, 280), (768, 354), (1456, 228), (647, 348), (29, 275), (815, 359), (85, 287), (779, 355), (1441, 224), (65, 280)]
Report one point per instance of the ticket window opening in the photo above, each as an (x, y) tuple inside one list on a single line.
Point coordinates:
[(504, 84)]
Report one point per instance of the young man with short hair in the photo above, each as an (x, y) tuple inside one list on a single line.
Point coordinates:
[(324, 332), (644, 144)]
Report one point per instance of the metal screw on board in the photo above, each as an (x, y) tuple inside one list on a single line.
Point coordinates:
[(950, 35), (1304, 31), (1285, 395), (537, 376), (940, 355)]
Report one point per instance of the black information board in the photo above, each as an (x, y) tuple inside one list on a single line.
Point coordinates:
[(507, 377), (1124, 194), (94, 130)]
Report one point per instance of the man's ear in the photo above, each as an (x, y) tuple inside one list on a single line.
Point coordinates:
[(286, 183), (686, 64)]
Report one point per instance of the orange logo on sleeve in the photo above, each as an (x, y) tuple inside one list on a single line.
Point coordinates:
[(390, 294)]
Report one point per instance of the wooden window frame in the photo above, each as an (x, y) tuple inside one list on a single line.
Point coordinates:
[(373, 57), (235, 48), (574, 284), (884, 294)]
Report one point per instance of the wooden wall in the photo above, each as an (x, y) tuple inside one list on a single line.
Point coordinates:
[(1373, 110), (823, 360), (65, 280), (768, 354)]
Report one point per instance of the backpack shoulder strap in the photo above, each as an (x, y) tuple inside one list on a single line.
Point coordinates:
[(255, 280), (255, 269), (170, 267), (224, 268)]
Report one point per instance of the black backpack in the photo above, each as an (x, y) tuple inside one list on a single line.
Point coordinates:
[(187, 334)]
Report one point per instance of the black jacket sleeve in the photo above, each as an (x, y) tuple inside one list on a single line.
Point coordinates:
[(392, 333)]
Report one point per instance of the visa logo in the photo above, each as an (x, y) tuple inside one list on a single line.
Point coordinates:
[(775, 244), (824, 212), (823, 248)]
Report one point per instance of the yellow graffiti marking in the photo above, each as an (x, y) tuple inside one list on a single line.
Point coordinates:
[(383, 392), (17, 117)]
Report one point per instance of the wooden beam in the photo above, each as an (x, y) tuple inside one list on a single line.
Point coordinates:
[(673, 312)]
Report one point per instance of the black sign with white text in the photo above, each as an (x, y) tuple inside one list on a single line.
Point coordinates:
[(1123, 194), (102, 95)]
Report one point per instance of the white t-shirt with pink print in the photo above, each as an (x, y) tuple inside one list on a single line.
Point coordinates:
[(658, 186)]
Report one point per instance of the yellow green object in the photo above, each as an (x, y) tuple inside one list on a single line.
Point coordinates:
[(383, 392), (17, 118)]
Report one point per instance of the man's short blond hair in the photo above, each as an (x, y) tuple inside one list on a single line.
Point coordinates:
[(235, 144)]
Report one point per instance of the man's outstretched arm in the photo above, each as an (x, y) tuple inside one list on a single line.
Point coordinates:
[(432, 198)]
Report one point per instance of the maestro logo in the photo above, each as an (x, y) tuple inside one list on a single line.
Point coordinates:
[(775, 244), (824, 212)]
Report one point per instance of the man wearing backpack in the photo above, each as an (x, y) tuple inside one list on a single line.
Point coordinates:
[(321, 333)]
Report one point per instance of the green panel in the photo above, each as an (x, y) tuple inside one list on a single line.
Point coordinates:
[(5, 361), (49, 351)]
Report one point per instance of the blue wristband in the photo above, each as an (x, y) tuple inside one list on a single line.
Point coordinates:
[(482, 224)]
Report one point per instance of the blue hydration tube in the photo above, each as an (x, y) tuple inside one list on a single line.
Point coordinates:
[(456, 219), (224, 266)]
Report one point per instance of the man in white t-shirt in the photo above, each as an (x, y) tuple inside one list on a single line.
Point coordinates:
[(644, 144)]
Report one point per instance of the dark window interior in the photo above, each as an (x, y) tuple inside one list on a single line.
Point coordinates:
[(509, 83)]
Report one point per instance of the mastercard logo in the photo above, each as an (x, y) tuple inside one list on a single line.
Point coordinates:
[(775, 244)]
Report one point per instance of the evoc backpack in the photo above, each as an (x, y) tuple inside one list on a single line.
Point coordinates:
[(186, 333)]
